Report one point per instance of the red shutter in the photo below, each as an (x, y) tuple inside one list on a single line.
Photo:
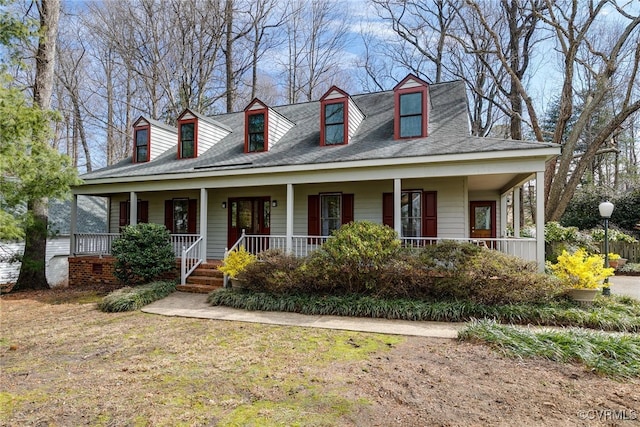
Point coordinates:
[(387, 209), (168, 215), (192, 216), (313, 212), (124, 213), (143, 211), (347, 208), (430, 216)]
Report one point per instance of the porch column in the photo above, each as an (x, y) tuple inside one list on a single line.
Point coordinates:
[(503, 215), (73, 225), (397, 206), (289, 219), (204, 203), (133, 208), (540, 220), (516, 212)]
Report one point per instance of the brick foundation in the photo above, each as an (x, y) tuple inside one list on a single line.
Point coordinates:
[(91, 270)]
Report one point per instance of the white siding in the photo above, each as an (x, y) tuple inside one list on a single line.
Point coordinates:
[(278, 127), (208, 135), (57, 249), (335, 94), (355, 118), (161, 140), (410, 83)]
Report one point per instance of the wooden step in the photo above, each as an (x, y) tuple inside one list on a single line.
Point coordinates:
[(197, 288), (205, 280)]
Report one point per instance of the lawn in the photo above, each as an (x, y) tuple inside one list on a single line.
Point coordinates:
[(65, 363)]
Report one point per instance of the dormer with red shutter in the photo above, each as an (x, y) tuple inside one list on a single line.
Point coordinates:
[(263, 127), (151, 138), (411, 108), (339, 117), (197, 133)]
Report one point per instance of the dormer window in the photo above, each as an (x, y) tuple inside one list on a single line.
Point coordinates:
[(334, 129), (256, 132), (412, 101), (339, 117), (141, 149), (187, 142)]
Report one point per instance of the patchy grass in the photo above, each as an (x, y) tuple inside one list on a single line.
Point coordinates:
[(614, 355), (134, 298), (613, 313)]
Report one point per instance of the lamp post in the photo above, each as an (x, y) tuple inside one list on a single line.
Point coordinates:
[(606, 209)]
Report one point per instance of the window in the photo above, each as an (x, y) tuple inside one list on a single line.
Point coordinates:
[(142, 212), (418, 213), (334, 123), (256, 132), (330, 213), (141, 150), (411, 213), (180, 215), (411, 115), (327, 212), (188, 140), (411, 108)]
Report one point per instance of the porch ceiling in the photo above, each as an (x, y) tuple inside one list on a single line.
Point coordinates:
[(495, 181)]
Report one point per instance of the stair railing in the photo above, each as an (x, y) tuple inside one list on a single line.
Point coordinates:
[(192, 257)]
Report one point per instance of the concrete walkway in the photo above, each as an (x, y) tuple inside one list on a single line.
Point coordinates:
[(184, 304)]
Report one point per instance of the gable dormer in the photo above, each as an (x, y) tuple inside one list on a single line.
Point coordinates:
[(197, 133), (411, 108), (151, 138), (339, 117), (263, 127)]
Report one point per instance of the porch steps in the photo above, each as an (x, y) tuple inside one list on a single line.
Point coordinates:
[(205, 278)]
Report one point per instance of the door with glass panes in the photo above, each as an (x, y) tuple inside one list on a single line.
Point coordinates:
[(253, 215)]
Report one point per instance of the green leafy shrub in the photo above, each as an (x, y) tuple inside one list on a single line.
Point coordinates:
[(236, 261), (129, 299), (558, 238), (350, 261), (614, 235), (274, 271), (143, 252)]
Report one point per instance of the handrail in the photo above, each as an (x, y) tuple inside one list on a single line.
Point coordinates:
[(190, 263)]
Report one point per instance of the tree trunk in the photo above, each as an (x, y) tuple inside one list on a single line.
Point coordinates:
[(32, 272)]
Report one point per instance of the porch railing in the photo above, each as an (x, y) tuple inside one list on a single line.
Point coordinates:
[(303, 245), (100, 243), (191, 258)]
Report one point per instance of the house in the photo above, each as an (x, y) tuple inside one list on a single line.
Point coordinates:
[(286, 176), (91, 218)]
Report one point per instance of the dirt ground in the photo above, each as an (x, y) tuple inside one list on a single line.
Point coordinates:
[(64, 363)]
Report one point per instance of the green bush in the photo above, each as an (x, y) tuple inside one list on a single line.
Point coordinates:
[(275, 271), (143, 252), (350, 261), (129, 299)]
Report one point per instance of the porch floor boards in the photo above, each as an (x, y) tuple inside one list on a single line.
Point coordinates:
[(205, 278)]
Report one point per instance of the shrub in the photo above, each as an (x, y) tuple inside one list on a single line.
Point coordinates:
[(581, 270), (143, 252), (236, 261), (558, 238), (275, 271), (129, 299), (352, 258)]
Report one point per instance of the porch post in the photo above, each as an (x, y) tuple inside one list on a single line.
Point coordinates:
[(397, 206), (73, 225), (503, 215), (133, 208), (540, 219), (204, 203), (289, 219), (516, 211)]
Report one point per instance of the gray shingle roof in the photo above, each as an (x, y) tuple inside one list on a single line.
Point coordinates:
[(448, 134)]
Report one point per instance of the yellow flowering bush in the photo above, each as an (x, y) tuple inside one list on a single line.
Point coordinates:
[(580, 270), (236, 261), (612, 257)]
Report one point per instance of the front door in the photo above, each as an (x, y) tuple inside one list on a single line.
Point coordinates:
[(483, 219), (251, 214)]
